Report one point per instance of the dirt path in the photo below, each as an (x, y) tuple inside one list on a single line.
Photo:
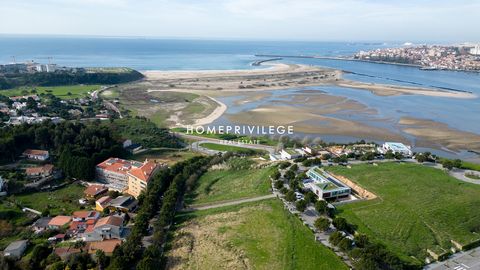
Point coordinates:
[(228, 203)]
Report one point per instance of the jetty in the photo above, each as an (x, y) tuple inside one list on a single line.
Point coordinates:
[(260, 62)]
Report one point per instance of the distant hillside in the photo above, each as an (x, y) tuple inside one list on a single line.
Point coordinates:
[(79, 76)]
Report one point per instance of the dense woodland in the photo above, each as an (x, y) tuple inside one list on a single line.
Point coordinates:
[(8, 81), (77, 146)]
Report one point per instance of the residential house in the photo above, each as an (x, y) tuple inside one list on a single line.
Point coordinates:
[(102, 203), (131, 147), (36, 154), (58, 222), (107, 246), (15, 249), (41, 224), (110, 227), (85, 215), (39, 171), (93, 191), (123, 204)]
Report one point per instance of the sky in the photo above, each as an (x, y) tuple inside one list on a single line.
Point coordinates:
[(320, 20)]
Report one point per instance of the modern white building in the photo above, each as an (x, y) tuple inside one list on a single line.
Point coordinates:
[(397, 147), (475, 50), (324, 185), (287, 154)]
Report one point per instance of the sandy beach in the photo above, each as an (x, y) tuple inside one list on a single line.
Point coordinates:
[(278, 76)]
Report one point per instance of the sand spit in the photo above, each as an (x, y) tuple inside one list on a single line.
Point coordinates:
[(432, 133), (278, 76), (393, 90), (306, 121)]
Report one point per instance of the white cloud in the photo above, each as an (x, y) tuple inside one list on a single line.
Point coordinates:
[(271, 19)]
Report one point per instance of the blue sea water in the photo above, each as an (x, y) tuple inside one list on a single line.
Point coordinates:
[(169, 54)]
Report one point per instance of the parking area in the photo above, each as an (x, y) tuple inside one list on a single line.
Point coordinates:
[(469, 260)]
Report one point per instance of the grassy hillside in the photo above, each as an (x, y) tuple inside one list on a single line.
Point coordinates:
[(260, 235), (232, 148), (418, 207), (76, 91), (227, 184)]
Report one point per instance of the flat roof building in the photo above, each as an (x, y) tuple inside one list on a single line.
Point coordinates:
[(324, 185), (397, 147)]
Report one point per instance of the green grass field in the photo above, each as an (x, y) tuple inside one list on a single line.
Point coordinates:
[(222, 185), (262, 235), (168, 156), (76, 91), (60, 201), (418, 207), (231, 148), (262, 139)]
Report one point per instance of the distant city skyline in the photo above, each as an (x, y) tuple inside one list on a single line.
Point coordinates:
[(306, 20)]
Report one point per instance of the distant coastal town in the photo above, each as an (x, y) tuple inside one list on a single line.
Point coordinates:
[(428, 57)]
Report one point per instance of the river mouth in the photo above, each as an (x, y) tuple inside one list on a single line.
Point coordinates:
[(338, 114)]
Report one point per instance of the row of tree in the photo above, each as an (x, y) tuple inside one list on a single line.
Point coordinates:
[(67, 78), (162, 195)]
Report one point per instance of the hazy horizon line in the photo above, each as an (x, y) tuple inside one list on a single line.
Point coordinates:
[(231, 38)]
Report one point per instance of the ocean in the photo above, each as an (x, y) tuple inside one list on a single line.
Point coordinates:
[(170, 54)]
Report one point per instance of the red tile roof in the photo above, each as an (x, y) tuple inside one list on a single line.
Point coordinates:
[(35, 152), (104, 200), (110, 220), (94, 190), (45, 169), (116, 165), (144, 172), (59, 220), (106, 245)]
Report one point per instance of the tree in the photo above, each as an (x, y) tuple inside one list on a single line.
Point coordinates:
[(310, 197), (101, 258), (345, 244), (361, 240), (322, 224), (340, 223), (39, 253), (276, 175), (294, 168), (301, 205), (447, 164), (289, 175), (420, 158), (457, 163), (321, 206), (335, 238), (290, 196), (399, 156), (389, 154), (278, 184)]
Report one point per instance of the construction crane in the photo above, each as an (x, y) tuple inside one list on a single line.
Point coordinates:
[(13, 58), (49, 59)]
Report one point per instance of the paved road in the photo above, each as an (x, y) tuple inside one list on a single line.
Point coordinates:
[(467, 260), (229, 203), (196, 146)]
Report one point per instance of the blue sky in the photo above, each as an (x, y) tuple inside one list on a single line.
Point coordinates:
[(329, 20)]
